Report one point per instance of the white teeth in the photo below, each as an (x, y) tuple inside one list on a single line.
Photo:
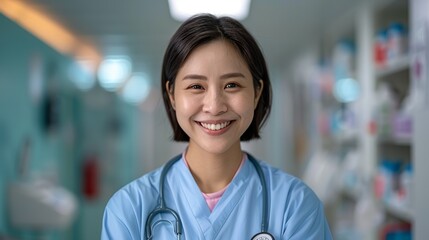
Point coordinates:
[(215, 127)]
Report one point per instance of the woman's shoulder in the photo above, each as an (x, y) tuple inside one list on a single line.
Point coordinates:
[(138, 189)]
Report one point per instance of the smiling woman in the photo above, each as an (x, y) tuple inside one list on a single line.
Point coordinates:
[(213, 88), (217, 93)]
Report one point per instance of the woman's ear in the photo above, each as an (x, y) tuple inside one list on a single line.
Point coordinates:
[(258, 92), (170, 93)]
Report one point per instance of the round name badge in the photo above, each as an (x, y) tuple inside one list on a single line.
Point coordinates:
[(263, 236)]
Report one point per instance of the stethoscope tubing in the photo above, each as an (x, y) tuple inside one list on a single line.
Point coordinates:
[(178, 229), (264, 223)]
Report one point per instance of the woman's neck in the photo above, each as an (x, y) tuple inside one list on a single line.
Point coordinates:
[(213, 171)]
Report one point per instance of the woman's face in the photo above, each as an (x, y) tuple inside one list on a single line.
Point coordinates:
[(214, 97)]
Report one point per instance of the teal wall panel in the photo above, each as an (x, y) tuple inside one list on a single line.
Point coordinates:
[(20, 114), (89, 122)]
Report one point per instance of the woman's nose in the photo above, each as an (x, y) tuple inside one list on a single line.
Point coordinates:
[(214, 102)]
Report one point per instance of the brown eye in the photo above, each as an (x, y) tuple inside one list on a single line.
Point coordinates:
[(195, 86), (231, 85)]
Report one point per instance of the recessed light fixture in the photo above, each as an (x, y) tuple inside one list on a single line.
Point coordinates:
[(81, 74), (113, 72), (183, 9), (136, 89)]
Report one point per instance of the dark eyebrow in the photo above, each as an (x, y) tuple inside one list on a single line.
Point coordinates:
[(232, 75), (195, 77), (225, 76)]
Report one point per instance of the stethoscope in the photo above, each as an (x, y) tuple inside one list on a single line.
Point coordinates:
[(178, 227)]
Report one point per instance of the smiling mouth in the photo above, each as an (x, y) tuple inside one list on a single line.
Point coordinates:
[(215, 127)]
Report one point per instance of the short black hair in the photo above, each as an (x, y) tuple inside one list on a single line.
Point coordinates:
[(204, 28)]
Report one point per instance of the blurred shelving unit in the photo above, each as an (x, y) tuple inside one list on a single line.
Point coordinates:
[(368, 139), (337, 151), (367, 159), (393, 116), (384, 72)]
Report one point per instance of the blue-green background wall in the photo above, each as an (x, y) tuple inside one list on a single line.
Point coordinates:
[(93, 122)]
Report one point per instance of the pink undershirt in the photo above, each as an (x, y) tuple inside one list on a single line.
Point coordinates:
[(213, 198)]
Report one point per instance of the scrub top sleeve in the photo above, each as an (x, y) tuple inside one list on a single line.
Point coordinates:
[(113, 227), (308, 222), (120, 219)]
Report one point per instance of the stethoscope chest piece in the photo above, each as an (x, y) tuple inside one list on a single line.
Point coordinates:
[(263, 236)]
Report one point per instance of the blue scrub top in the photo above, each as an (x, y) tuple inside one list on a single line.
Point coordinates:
[(295, 212)]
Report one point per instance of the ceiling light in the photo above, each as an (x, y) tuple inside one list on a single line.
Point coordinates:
[(48, 30), (80, 73), (137, 88), (183, 9), (113, 72)]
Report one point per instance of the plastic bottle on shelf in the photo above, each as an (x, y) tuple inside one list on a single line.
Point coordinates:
[(406, 183), (385, 107), (350, 172), (343, 59), (396, 42), (402, 122), (368, 216), (396, 231), (380, 48), (344, 123), (386, 181)]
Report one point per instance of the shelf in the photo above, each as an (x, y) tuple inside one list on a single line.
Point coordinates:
[(398, 212), (395, 141), (401, 213), (396, 66)]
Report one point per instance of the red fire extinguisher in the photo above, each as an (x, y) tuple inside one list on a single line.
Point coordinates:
[(90, 177)]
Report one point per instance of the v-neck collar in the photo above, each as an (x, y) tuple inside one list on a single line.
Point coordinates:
[(210, 223)]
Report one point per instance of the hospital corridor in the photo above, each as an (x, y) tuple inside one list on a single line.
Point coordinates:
[(87, 105)]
